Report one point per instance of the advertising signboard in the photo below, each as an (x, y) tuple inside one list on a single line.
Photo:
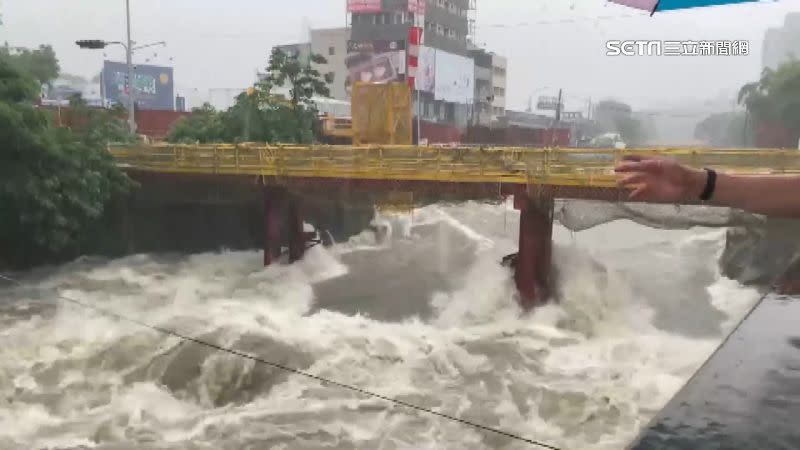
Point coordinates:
[(364, 6), (426, 69), (375, 62), (455, 78), (153, 85), (548, 104)]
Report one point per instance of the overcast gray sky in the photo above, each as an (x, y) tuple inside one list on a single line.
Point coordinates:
[(549, 43)]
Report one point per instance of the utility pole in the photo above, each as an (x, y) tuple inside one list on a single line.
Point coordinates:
[(557, 121), (558, 107), (129, 55), (129, 49), (589, 111)]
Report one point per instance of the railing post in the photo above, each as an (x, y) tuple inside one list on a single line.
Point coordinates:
[(216, 159)]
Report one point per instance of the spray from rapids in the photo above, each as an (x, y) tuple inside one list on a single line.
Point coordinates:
[(437, 327)]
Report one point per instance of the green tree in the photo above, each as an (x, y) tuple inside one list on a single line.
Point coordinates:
[(100, 126), (304, 82), (52, 182), (775, 98), (203, 126), (617, 117), (40, 63), (729, 129), (259, 115)]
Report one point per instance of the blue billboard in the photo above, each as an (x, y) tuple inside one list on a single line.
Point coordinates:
[(154, 86)]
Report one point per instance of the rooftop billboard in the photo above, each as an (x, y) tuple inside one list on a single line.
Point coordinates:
[(153, 85), (455, 78), (375, 62), (364, 6)]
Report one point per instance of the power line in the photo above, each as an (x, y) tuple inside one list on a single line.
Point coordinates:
[(262, 35), (324, 381), (563, 21)]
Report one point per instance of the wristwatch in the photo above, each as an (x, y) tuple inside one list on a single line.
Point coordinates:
[(711, 185)]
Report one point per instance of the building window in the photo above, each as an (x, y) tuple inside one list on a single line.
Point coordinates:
[(439, 29), (451, 33), (331, 51), (441, 3)]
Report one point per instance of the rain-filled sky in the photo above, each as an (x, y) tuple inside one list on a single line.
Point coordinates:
[(219, 45)]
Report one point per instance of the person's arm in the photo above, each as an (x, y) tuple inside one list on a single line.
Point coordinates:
[(663, 180)]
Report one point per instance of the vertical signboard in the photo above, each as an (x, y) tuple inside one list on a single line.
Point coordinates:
[(455, 78), (414, 42), (364, 6), (153, 85), (375, 62)]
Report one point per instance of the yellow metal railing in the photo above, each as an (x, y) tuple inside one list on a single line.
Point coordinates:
[(563, 166)]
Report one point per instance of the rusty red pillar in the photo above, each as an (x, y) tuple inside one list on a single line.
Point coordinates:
[(297, 235), (532, 269), (273, 200)]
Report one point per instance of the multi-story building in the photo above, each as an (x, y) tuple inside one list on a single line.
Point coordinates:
[(331, 43), (499, 85), (782, 44), (447, 28), (483, 111), (457, 84)]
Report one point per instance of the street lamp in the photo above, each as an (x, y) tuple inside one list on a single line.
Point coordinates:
[(95, 44)]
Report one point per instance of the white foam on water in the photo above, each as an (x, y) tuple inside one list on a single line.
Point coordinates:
[(585, 373)]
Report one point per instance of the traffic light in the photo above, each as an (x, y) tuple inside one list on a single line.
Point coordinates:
[(91, 43)]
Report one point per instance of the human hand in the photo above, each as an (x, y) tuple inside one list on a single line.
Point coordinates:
[(660, 180)]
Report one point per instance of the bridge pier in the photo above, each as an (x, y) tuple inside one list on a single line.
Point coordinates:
[(297, 235), (532, 265), (278, 200)]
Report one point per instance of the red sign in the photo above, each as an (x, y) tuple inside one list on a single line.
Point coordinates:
[(416, 7), (364, 6)]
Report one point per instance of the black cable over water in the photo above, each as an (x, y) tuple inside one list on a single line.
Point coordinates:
[(324, 381)]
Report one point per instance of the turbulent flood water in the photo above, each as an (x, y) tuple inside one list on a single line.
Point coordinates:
[(422, 312)]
